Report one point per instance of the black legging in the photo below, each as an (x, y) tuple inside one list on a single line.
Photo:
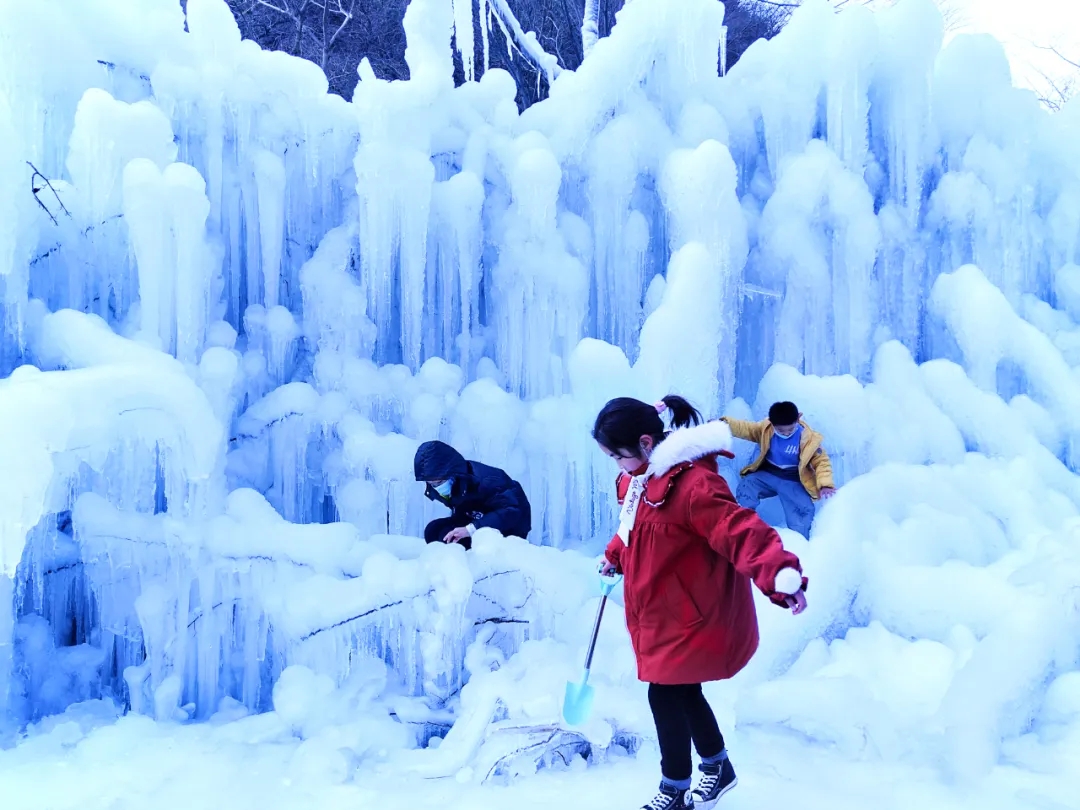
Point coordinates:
[(682, 715), (435, 531)]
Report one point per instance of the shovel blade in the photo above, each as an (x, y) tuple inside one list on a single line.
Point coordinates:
[(578, 703)]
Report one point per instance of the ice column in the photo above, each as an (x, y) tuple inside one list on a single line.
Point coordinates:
[(166, 214), (541, 291), (688, 343), (108, 134), (395, 188), (453, 284), (619, 285), (819, 232), (909, 44)]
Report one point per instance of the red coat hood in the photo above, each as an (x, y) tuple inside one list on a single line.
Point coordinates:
[(681, 449), (690, 444)]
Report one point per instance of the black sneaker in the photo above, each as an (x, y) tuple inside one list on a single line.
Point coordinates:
[(716, 780), (670, 798)]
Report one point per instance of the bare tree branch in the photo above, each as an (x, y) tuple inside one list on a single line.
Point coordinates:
[(347, 18), (1059, 89), (1058, 54), (45, 184)]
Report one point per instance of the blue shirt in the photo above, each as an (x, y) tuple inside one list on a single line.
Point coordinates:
[(784, 453)]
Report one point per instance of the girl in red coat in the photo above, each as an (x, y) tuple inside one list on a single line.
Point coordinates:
[(688, 552)]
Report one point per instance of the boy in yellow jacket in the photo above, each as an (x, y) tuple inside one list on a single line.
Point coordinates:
[(792, 465)]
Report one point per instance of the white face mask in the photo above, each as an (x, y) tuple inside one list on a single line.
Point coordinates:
[(444, 488)]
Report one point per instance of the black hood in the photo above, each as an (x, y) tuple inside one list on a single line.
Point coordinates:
[(436, 461)]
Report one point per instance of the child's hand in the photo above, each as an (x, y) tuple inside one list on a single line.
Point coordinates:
[(827, 492), (797, 603), (606, 569), (456, 536)]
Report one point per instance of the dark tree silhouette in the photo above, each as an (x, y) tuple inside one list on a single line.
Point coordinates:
[(338, 34)]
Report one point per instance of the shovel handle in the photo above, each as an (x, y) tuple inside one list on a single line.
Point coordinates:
[(607, 585), (595, 634)]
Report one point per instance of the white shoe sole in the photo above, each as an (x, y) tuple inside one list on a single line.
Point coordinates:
[(711, 804)]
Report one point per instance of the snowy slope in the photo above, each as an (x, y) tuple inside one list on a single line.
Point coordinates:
[(234, 306)]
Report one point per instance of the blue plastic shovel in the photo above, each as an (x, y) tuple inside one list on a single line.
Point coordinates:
[(579, 696)]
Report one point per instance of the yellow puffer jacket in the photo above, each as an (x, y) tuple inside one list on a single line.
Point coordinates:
[(815, 469)]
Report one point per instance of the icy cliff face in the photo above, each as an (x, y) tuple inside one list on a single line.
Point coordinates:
[(250, 301)]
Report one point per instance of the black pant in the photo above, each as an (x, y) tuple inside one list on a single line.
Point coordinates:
[(683, 715), (440, 527)]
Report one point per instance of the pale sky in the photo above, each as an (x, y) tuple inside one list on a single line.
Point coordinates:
[(1021, 26), (1018, 24)]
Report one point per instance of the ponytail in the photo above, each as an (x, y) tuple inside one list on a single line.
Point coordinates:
[(622, 422), (683, 414)]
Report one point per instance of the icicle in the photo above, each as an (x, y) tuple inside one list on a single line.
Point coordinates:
[(904, 95), (485, 26), (189, 208), (847, 83), (270, 181), (463, 34)]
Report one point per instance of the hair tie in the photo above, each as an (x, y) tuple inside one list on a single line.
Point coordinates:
[(660, 406)]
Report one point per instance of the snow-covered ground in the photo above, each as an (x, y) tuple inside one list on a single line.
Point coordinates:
[(136, 763), (233, 306)]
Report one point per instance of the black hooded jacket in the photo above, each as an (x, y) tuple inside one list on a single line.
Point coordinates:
[(487, 496)]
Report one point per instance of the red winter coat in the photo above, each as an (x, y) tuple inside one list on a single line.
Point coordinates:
[(687, 569)]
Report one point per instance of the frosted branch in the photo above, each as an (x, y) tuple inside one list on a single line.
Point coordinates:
[(590, 26), (279, 9), (527, 43)]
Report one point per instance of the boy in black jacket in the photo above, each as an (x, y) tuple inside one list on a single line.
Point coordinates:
[(479, 496)]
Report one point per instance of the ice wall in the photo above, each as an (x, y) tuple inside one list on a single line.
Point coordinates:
[(236, 283)]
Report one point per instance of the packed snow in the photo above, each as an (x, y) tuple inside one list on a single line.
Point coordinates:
[(234, 305)]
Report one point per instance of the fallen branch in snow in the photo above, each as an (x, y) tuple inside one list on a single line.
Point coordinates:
[(538, 744), (365, 614)]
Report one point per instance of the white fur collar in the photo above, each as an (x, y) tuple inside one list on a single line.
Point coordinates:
[(689, 444)]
